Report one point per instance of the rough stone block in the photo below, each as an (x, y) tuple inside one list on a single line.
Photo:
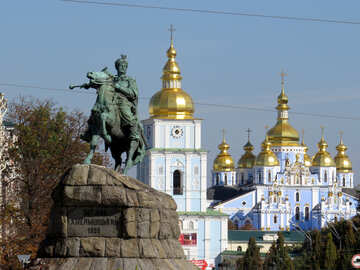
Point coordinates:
[(72, 247), (165, 231), (92, 247), (96, 176), (82, 195), (98, 264), (115, 264), (132, 199), (154, 229), (142, 214), (159, 250), (78, 175), (83, 264), (154, 215), (60, 248), (130, 214), (129, 248), (130, 230), (58, 222), (143, 229), (146, 248), (131, 264), (114, 196), (176, 248), (112, 247), (146, 200)]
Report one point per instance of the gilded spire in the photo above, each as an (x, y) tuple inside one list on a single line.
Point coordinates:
[(223, 161), (322, 158), (343, 163), (283, 133), (171, 102)]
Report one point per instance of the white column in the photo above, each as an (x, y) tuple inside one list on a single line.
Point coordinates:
[(267, 219), (188, 137), (224, 234), (262, 225), (203, 181), (168, 177), (166, 136), (207, 238), (187, 181), (156, 138), (282, 220), (197, 134)]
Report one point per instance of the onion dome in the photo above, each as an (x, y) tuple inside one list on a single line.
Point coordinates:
[(307, 159), (283, 133), (223, 162), (322, 158), (171, 102), (266, 157), (247, 160), (342, 161)]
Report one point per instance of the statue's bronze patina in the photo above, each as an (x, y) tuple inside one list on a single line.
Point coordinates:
[(114, 116)]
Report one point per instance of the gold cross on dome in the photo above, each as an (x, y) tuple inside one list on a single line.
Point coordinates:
[(172, 30), (341, 136), (223, 133), (248, 132), (283, 75), (322, 131)]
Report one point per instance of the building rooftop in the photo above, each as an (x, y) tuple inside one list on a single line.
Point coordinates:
[(264, 236), (209, 212)]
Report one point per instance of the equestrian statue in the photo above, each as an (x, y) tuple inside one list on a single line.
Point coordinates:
[(114, 116)]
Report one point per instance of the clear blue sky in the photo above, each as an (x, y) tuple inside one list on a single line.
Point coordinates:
[(224, 59)]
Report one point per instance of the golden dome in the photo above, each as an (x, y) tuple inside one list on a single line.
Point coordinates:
[(322, 158), (171, 102), (247, 160), (307, 159), (266, 157), (342, 161), (283, 133), (223, 162)]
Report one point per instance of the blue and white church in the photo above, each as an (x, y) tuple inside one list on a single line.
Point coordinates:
[(176, 163), (282, 188)]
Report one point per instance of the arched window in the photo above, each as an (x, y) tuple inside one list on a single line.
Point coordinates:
[(217, 179), (242, 178), (259, 176), (325, 177), (297, 196), (297, 213), (236, 223), (333, 178), (344, 181), (335, 219), (177, 185), (269, 176), (225, 180), (307, 214), (275, 219), (191, 225)]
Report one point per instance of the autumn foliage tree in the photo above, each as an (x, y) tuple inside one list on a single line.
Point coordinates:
[(48, 144)]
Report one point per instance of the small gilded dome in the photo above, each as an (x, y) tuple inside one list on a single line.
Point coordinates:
[(247, 160), (223, 162), (342, 161), (266, 157), (171, 102), (322, 158)]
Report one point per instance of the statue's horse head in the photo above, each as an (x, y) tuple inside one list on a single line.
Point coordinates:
[(99, 77)]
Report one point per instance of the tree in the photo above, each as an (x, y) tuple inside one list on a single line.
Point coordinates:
[(330, 253), (278, 256), (48, 144), (251, 259)]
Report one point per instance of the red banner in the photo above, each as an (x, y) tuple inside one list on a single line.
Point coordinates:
[(202, 264)]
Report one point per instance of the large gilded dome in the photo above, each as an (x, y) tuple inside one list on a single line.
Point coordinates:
[(266, 157), (247, 160), (342, 161), (322, 158), (171, 102), (224, 161), (283, 133)]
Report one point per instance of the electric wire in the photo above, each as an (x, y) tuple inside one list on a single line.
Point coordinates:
[(217, 12), (227, 106)]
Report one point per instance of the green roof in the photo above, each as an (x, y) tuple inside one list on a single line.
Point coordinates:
[(290, 236), (209, 212), (177, 150)]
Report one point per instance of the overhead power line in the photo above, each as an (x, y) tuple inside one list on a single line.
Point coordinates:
[(197, 103), (217, 12)]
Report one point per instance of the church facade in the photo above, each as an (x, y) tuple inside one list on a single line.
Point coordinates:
[(282, 188), (176, 164)]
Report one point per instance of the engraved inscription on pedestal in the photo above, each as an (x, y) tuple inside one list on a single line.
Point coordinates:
[(97, 222)]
